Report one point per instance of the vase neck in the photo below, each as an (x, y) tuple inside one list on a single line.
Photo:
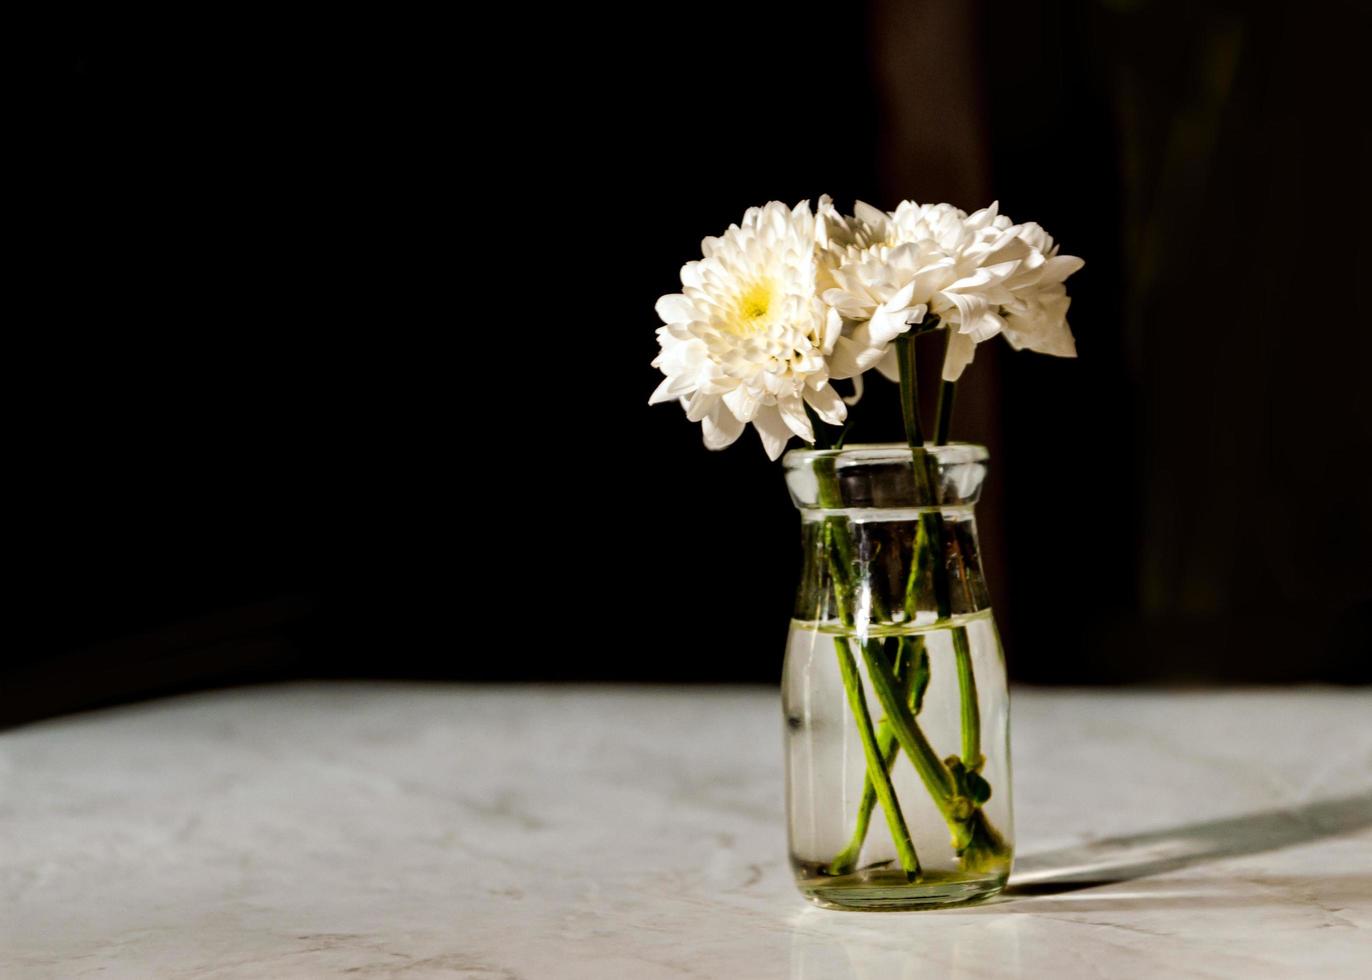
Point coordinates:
[(889, 534), (888, 477)]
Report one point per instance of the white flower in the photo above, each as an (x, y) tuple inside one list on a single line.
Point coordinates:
[(748, 338), (1036, 317), (979, 274)]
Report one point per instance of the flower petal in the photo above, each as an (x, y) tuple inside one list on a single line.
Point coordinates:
[(843, 361), (886, 325), (772, 430), (847, 304), (889, 366), (701, 405), (1059, 267), (833, 327), (743, 402), (827, 404), (672, 387), (720, 428), (793, 414), (961, 349), (856, 396), (675, 308), (869, 215), (974, 315)]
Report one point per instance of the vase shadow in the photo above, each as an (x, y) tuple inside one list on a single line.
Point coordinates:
[(1119, 859)]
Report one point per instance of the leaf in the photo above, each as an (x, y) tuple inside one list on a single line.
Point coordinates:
[(978, 789), (968, 783), (921, 675)]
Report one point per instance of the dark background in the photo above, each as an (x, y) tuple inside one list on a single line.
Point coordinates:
[(333, 351)]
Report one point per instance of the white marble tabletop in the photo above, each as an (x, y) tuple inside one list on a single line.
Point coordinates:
[(449, 831)]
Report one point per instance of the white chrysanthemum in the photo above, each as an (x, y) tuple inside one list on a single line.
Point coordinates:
[(980, 274), (748, 338), (1036, 316)]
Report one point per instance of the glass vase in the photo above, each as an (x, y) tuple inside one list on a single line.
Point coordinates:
[(897, 737)]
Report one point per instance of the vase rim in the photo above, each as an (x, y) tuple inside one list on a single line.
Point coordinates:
[(895, 452)]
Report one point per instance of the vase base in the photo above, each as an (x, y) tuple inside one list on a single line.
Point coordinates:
[(881, 890)]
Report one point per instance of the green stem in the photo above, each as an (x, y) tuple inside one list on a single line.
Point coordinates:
[(954, 786), (876, 762), (838, 548), (909, 393), (831, 498), (977, 843), (838, 554), (962, 651), (925, 471), (907, 670), (943, 421), (967, 692), (973, 837), (932, 772), (846, 860)]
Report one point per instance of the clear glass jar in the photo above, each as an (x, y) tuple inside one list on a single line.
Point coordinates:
[(897, 735)]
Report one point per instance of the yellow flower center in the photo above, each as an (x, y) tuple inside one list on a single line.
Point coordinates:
[(753, 306)]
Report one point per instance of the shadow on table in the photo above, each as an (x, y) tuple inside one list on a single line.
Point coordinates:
[(1119, 859)]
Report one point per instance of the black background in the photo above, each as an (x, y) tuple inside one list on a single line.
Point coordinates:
[(331, 345)]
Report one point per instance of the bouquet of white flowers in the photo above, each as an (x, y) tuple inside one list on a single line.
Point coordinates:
[(790, 300)]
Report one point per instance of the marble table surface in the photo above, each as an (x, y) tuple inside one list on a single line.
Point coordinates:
[(350, 829)]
